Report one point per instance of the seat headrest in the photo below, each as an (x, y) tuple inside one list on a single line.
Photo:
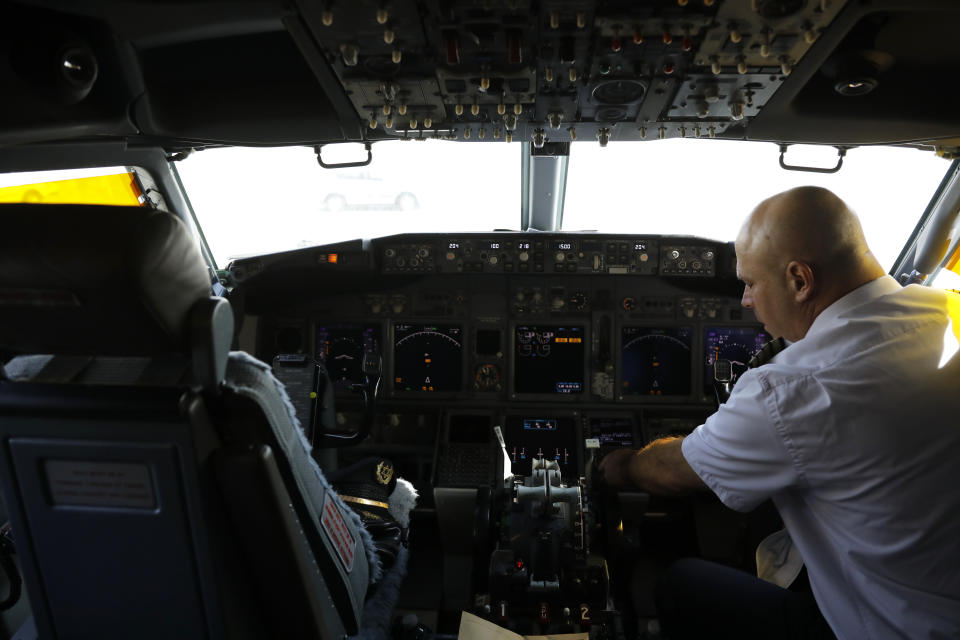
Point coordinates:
[(91, 279)]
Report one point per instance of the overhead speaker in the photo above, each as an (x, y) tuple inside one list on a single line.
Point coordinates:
[(59, 66), (619, 92), (857, 73)]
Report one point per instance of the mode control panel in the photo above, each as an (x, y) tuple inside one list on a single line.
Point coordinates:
[(687, 260), (535, 253), (408, 258), (540, 253)]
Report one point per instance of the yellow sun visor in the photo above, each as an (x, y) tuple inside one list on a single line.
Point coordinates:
[(953, 263), (121, 189)]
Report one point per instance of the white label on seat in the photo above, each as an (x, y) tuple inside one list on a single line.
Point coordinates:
[(100, 484), (338, 532)]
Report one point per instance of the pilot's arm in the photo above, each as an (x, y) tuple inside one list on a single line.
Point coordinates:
[(658, 468), (739, 453)]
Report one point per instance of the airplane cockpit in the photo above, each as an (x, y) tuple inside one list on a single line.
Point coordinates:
[(317, 317)]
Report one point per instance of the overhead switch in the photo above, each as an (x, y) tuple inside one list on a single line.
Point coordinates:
[(514, 48), (539, 138), (350, 53), (451, 43)]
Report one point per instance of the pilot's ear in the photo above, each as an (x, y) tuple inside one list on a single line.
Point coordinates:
[(800, 280)]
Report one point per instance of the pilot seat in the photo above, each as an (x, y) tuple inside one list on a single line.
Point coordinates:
[(157, 484)]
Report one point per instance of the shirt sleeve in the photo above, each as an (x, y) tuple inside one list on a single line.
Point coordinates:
[(739, 451)]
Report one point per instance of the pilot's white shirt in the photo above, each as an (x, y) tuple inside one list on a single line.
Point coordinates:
[(854, 432)]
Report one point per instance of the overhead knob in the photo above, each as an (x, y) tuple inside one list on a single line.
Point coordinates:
[(539, 138)]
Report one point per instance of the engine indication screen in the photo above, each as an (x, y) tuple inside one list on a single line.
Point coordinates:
[(427, 357), (736, 344), (612, 432), (655, 361), (341, 349), (541, 436), (548, 359)]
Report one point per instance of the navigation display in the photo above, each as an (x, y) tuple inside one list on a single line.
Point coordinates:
[(427, 357), (541, 436), (655, 361), (341, 347), (735, 344), (548, 359)]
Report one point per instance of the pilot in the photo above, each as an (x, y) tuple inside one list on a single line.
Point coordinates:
[(853, 430)]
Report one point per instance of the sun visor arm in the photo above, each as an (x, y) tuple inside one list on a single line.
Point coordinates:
[(940, 231)]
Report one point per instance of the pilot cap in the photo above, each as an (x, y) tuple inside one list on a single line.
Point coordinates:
[(366, 486)]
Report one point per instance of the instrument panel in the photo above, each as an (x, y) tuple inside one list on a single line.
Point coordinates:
[(574, 344)]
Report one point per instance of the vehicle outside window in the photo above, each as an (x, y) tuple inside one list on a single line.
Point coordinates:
[(366, 190)]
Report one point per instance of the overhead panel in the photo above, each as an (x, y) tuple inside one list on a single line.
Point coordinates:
[(563, 70)]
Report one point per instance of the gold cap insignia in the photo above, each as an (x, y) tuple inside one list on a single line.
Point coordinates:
[(384, 472)]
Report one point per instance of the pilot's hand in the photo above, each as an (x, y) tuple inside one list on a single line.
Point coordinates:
[(615, 467)]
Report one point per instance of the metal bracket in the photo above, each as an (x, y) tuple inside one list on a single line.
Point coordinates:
[(841, 152), (343, 165)]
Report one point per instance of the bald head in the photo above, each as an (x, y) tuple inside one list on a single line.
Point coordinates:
[(806, 223), (808, 249)]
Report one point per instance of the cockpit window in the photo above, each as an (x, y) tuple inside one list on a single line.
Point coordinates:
[(252, 201), (707, 187)]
